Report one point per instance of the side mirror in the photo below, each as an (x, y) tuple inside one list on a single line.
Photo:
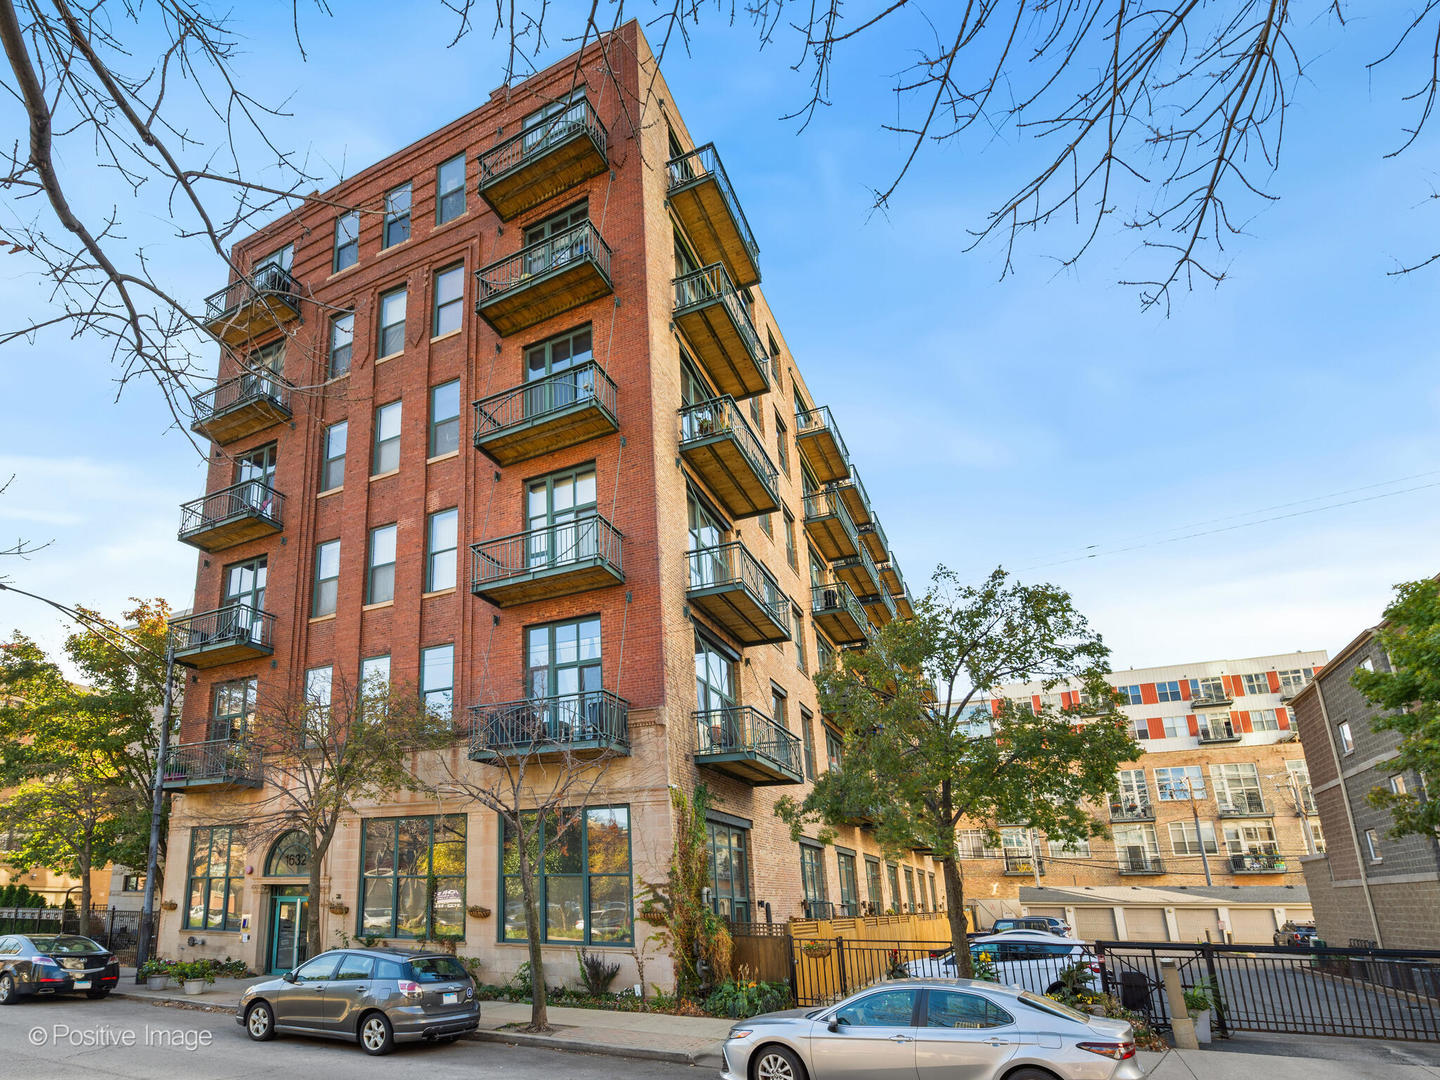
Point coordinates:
[(289, 977), (833, 1026)]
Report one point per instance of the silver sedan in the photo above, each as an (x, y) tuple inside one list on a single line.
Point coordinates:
[(932, 1029)]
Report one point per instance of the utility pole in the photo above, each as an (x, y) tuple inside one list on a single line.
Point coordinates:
[(157, 809), (1199, 839), (1035, 855)]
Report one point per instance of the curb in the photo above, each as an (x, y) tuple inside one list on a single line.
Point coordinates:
[(175, 1002), (642, 1053)]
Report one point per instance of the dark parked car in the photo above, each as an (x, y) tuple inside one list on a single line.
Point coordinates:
[(33, 964), (1296, 934), (377, 997), (1048, 923)]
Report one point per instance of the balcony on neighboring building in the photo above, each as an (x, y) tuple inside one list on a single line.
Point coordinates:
[(548, 561), (1241, 804), (879, 607), (215, 765), (860, 573), (241, 512), (242, 406), (857, 500), (265, 299), (551, 413), (1211, 698), (545, 279), (226, 635), (725, 453), (1023, 866), (543, 160), (904, 604), (872, 535), (1219, 732), (745, 743), (1129, 808), (838, 614), (829, 527), (590, 724), (705, 204), (1139, 862), (1305, 800), (729, 586), (819, 441), (713, 318), (1258, 862)]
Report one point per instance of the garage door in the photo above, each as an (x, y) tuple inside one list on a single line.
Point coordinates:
[(1252, 926), (1145, 924), (1094, 924), (1049, 912), (1300, 914), (1195, 923)]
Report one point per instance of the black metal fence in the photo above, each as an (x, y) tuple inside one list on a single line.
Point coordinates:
[(1356, 992), (116, 929)]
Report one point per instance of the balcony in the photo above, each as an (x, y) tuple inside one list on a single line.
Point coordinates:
[(820, 443), (728, 585), (1023, 866), (859, 572), (242, 406), (234, 515), (838, 614), (262, 301), (541, 161), (829, 527), (1258, 863), (1131, 810), (1218, 733), (1305, 801), (560, 410), (1211, 698), (904, 605), (817, 909), (545, 279), (705, 204), (725, 453), (590, 724), (226, 635), (1241, 804), (745, 743), (880, 608), (216, 765), (710, 314), (875, 540), (551, 560), (1136, 863), (857, 500), (890, 575)]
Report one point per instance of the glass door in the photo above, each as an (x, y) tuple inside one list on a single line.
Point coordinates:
[(255, 479), (546, 365), (244, 598), (288, 947), (560, 512), (706, 535)]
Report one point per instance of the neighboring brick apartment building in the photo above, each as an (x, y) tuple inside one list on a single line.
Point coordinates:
[(667, 535), (1220, 731), (1366, 886)]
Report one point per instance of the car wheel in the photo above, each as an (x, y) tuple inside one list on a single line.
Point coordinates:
[(260, 1022), (376, 1037), (777, 1063), (96, 995), (1031, 1073), (8, 996)]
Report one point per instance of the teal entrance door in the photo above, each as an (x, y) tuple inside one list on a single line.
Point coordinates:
[(287, 932)]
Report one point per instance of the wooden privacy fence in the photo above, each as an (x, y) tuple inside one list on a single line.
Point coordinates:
[(766, 951)]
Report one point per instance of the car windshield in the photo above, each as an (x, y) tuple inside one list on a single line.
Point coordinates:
[(437, 969), (58, 944), (1055, 1008)]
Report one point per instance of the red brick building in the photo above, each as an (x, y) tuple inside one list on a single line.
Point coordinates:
[(645, 531)]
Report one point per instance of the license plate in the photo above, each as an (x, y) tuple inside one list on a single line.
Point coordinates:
[(451, 997), (82, 984)]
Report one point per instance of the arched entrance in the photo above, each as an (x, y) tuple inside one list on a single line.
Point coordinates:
[(289, 904)]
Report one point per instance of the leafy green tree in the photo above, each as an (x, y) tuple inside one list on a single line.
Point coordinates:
[(923, 753), (1410, 692)]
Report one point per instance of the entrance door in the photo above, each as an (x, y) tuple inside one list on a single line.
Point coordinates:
[(287, 933)]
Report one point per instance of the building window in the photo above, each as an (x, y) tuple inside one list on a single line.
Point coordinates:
[(342, 341), (234, 709), (1136, 845), (728, 848), (391, 338), (1173, 726), (327, 578), (445, 418), (777, 705), (347, 240), (1237, 787), (1129, 695), (553, 120), (1180, 782), (387, 439), (873, 894), (563, 659), (892, 874), (245, 586), (824, 653), (797, 620), (1256, 683), (768, 525), (332, 457), (790, 556), (812, 881), (437, 680), (714, 682), (581, 860), (375, 675), (1294, 680), (1210, 688), (397, 216), (1366, 664), (1398, 785), (449, 301), (132, 883), (1139, 727), (934, 896), (412, 882), (450, 189), (1185, 840), (380, 574), (440, 544), (217, 868), (1372, 845), (1347, 738), (782, 446), (1070, 849), (834, 747), (1251, 840), (910, 888), (557, 507), (849, 885), (1132, 794), (318, 684), (807, 737), (1168, 691), (1263, 720)]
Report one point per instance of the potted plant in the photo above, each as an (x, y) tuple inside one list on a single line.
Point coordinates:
[(197, 975), (1200, 1004), (156, 973), (476, 911)]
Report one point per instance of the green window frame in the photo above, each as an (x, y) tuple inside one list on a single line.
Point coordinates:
[(807, 738), (441, 542), (824, 653), (812, 877), (342, 344), (849, 883), (391, 339), (910, 888), (449, 300), (797, 620), (934, 896), (216, 884), (437, 681), (583, 886), (874, 894), (332, 456), (445, 418), (233, 710), (790, 555), (728, 847), (412, 877), (380, 569), (834, 748), (563, 658), (892, 872), (714, 675), (450, 189), (386, 458), (327, 579)]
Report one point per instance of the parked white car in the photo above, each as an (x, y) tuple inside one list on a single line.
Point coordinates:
[(1030, 959)]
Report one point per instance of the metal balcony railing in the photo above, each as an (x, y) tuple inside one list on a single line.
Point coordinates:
[(875, 529), (1240, 804), (1135, 863), (744, 729), (711, 284), (215, 760), (580, 243), (704, 162), (837, 596), (1024, 864), (818, 909), (820, 505), (270, 279), (548, 548), (240, 391), (1218, 733), (535, 400), (1306, 801), (249, 498), (591, 719), (1258, 863), (853, 488), (721, 416), (732, 564), (233, 624), (535, 141), (1210, 696), (817, 419), (1129, 809)]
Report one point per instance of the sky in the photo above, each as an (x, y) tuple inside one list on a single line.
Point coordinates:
[(1249, 473)]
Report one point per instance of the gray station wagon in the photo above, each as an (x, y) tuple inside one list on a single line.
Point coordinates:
[(377, 997)]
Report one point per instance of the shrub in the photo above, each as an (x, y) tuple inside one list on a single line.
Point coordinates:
[(739, 999), (155, 967), (983, 965), (596, 973), (1075, 980), (1199, 997)]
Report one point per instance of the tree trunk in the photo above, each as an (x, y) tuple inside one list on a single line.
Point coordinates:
[(85, 860), (539, 1016), (955, 901), (319, 845)]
